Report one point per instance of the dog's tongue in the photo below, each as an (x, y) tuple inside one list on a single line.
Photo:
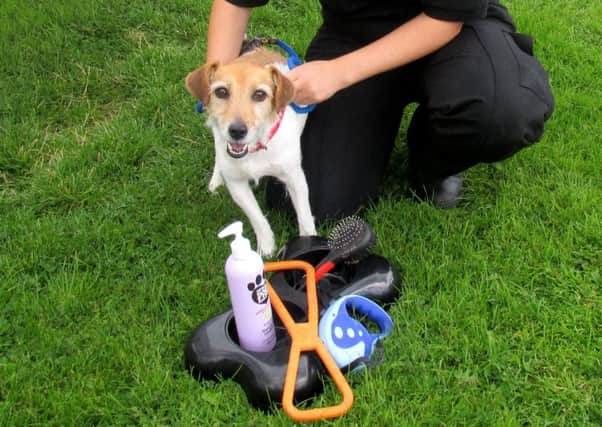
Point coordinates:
[(237, 148)]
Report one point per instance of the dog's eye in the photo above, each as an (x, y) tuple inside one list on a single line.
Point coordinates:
[(259, 95), (221, 93)]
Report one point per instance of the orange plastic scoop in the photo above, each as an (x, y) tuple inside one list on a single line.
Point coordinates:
[(304, 336)]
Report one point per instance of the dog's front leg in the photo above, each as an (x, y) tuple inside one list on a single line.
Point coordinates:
[(243, 196), (216, 179), (297, 188)]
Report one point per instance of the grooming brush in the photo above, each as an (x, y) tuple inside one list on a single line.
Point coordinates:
[(350, 240)]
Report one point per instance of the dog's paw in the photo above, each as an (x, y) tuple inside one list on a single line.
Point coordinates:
[(215, 182), (266, 245), (308, 229)]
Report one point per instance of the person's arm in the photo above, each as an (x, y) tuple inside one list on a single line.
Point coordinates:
[(316, 81), (227, 26)]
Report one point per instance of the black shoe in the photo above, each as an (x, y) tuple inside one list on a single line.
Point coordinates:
[(443, 193)]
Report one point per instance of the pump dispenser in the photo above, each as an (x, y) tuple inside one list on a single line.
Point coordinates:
[(248, 293)]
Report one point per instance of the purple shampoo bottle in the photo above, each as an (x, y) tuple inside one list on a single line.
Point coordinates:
[(248, 293)]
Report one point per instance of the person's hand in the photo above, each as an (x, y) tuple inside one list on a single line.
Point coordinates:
[(315, 81)]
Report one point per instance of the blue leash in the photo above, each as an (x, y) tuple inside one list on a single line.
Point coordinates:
[(292, 62)]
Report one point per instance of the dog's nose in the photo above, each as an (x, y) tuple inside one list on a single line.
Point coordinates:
[(237, 130)]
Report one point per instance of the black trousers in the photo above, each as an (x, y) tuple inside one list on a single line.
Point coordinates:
[(481, 98)]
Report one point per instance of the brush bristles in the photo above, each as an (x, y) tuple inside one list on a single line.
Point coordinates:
[(351, 236), (345, 232)]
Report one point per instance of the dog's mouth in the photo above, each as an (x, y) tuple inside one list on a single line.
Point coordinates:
[(237, 150)]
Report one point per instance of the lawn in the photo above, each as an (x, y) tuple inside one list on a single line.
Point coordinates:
[(109, 256)]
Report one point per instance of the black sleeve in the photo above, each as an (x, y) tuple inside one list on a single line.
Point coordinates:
[(455, 10), (248, 3)]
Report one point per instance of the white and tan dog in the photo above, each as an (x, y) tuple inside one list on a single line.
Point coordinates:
[(256, 134)]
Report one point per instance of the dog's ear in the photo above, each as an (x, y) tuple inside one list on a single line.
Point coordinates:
[(199, 81), (284, 92)]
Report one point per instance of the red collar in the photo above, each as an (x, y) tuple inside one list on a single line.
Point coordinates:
[(264, 146)]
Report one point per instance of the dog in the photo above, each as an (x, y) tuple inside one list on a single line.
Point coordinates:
[(256, 134)]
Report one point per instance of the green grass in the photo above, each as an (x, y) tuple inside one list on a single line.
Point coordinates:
[(109, 257)]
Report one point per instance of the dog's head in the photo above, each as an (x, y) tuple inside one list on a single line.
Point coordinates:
[(242, 101)]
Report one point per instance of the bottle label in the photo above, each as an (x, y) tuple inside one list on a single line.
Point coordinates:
[(268, 329), (258, 289)]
